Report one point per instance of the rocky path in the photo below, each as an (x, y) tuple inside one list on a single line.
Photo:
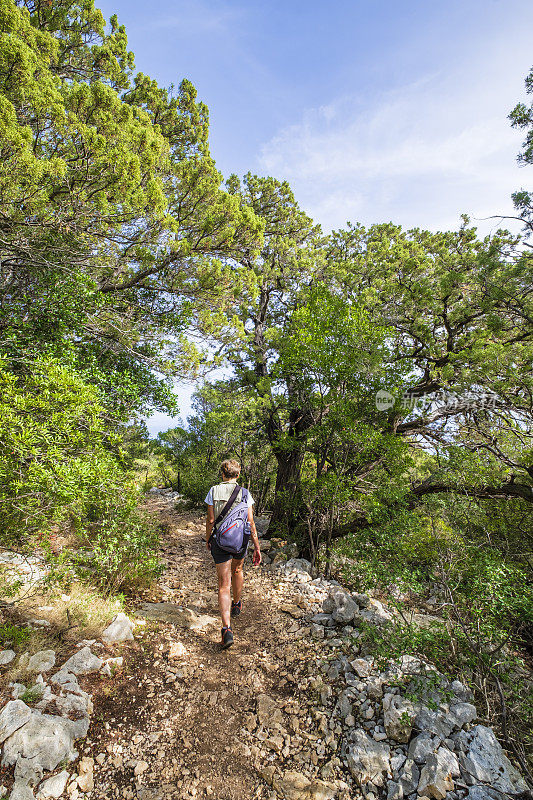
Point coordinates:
[(295, 710), (178, 720)]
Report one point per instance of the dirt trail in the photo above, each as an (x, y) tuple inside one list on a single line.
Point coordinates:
[(170, 725)]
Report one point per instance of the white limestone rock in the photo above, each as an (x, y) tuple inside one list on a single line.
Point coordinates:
[(463, 714), (462, 692), (43, 661), (70, 703), (341, 606), (436, 776), (398, 717), (82, 663), (63, 677), (485, 793), (13, 716), (374, 687), (420, 748), (362, 666), (409, 776), (6, 657), (394, 791), (120, 630), (21, 791), (440, 723), (53, 787), (46, 739), (176, 615), (483, 758), (376, 613), (298, 565), (28, 771), (368, 760), (344, 704)]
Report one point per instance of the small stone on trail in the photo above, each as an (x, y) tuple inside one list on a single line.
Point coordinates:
[(43, 661), (177, 650), (53, 787), (82, 663), (6, 657), (85, 775), (268, 711), (296, 786), (13, 716), (120, 629), (176, 615)]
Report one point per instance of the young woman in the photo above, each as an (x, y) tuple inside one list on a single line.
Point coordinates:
[(229, 565)]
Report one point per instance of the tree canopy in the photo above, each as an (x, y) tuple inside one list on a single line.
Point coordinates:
[(113, 220)]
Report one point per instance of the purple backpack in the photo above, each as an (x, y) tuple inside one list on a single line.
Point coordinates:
[(232, 530)]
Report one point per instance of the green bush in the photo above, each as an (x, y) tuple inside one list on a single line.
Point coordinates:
[(120, 549), (13, 634), (470, 558), (55, 448), (60, 464)]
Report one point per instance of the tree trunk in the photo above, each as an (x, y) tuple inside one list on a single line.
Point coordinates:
[(286, 508)]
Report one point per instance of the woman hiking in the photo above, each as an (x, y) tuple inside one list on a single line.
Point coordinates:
[(228, 528)]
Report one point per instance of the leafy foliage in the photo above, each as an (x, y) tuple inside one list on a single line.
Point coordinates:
[(226, 425), (114, 229), (522, 117), (59, 464)]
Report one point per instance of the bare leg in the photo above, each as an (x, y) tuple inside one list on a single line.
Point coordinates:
[(224, 593), (237, 578)]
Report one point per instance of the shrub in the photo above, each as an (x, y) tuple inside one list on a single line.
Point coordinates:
[(470, 559), (60, 464), (13, 634), (120, 550)]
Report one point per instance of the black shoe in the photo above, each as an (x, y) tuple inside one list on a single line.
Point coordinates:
[(227, 638), (236, 608)]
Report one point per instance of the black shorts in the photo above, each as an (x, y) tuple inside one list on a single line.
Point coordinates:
[(220, 556)]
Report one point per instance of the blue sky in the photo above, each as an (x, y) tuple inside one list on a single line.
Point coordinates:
[(373, 110)]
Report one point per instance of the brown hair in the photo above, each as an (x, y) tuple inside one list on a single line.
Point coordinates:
[(230, 468)]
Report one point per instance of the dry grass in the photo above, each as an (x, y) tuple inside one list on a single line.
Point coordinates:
[(83, 613), (80, 613)]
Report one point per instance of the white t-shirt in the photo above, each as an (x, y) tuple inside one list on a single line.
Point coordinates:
[(209, 498)]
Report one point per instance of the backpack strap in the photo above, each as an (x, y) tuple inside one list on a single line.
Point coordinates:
[(228, 505)]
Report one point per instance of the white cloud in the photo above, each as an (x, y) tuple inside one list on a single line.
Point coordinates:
[(419, 155), (199, 17)]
